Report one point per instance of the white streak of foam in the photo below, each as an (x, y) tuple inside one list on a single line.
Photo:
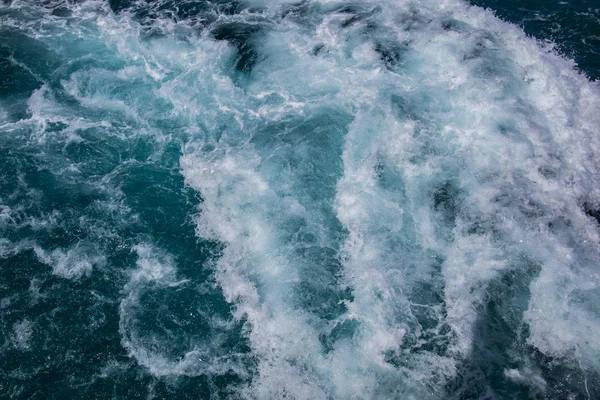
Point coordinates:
[(22, 332), (73, 263)]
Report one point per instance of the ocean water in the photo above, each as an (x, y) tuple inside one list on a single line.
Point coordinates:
[(254, 199)]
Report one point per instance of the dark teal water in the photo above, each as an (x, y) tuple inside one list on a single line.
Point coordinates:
[(573, 26), (303, 200)]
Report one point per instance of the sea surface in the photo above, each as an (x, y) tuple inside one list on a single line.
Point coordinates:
[(283, 199)]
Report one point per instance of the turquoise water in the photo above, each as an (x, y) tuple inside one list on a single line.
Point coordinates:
[(301, 200)]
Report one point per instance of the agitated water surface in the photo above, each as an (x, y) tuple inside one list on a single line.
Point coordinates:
[(304, 200)]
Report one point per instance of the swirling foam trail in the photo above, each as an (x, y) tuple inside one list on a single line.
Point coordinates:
[(406, 194), (469, 170)]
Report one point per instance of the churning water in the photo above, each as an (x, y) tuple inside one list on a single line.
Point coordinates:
[(376, 199)]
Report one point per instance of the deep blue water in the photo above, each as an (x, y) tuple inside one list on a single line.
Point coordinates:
[(301, 200)]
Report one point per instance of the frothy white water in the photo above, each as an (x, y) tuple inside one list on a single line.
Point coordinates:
[(22, 333), (73, 263), (375, 172), (471, 154)]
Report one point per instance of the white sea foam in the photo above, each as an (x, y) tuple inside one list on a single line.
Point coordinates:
[(527, 376), (73, 263), (479, 116), (22, 332), (457, 151)]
